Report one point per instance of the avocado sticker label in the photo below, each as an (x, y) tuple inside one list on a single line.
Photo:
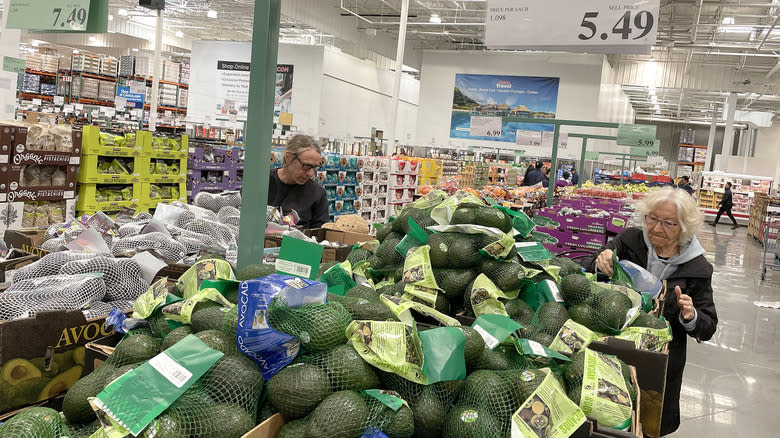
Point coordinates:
[(391, 399), (605, 395), (547, 413), (469, 416), (485, 297), (573, 337), (646, 338), (494, 329), (391, 346)]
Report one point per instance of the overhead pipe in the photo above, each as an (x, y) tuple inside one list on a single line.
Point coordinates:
[(399, 64), (766, 35), (695, 29), (773, 71)]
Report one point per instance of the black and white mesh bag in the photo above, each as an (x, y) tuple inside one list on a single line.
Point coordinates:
[(229, 215), (50, 264), (121, 276), (223, 235), (193, 242), (56, 292), (163, 244), (216, 201)]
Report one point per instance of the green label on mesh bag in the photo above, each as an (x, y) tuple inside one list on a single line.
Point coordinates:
[(443, 354), (394, 347), (532, 251), (529, 347), (157, 295), (211, 269), (485, 295), (646, 338), (181, 311), (604, 396), (619, 275), (494, 329), (402, 309), (420, 294), (418, 270), (547, 413), (391, 399), (573, 337), (138, 397), (499, 248), (338, 278), (442, 213), (415, 238), (432, 199)]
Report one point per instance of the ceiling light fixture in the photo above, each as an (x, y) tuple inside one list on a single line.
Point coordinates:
[(211, 13), (36, 44), (179, 34), (92, 39), (75, 51), (122, 12), (727, 20), (134, 49), (435, 18)]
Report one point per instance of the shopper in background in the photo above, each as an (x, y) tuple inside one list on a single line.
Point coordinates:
[(564, 181), (545, 176), (527, 172), (726, 203), (575, 177), (685, 184), (292, 187), (535, 175), (666, 245)]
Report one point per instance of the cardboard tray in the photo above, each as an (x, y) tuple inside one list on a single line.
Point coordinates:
[(20, 258), (28, 241)]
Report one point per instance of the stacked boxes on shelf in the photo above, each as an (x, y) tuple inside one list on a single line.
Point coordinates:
[(143, 66), (402, 184), (109, 66), (757, 214), (85, 63), (339, 175), (126, 65), (33, 61), (171, 71), (31, 83), (50, 63), (581, 223), (134, 171), (373, 188), (38, 165), (213, 168), (184, 73), (430, 171)]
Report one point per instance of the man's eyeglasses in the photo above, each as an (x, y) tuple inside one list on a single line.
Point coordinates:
[(651, 221), (308, 167)]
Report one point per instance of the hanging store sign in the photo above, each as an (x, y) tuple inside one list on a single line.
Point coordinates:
[(601, 26), (52, 15), (592, 155), (132, 100), (13, 65), (647, 148), (485, 126), (635, 135), (528, 138), (547, 139)]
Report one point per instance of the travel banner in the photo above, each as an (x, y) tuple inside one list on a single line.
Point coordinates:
[(488, 107), (283, 90)]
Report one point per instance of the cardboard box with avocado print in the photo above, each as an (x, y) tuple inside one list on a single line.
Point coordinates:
[(43, 356)]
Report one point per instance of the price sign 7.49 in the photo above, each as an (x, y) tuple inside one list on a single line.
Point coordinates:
[(592, 26), (52, 15)]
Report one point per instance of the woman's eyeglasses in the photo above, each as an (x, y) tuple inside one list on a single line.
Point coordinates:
[(651, 221)]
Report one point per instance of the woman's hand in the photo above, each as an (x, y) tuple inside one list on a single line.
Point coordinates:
[(685, 303), (604, 262)]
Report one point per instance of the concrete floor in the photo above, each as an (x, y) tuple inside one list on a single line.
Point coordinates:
[(731, 386)]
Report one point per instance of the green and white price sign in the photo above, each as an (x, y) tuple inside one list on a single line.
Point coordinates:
[(648, 148), (49, 15), (592, 155), (636, 135)]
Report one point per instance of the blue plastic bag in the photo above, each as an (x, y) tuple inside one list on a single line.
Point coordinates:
[(641, 279)]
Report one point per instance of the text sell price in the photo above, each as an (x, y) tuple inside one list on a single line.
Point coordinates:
[(75, 16), (643, 22)]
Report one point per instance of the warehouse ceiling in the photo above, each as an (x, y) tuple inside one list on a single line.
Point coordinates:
[(704, 49)]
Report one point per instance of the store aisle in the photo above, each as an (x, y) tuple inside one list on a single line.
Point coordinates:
[(731, 386)]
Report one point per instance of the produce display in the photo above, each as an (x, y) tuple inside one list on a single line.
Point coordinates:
[(504, 332)]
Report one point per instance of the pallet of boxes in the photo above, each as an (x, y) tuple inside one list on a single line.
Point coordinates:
[(757, 209), (38, 168)]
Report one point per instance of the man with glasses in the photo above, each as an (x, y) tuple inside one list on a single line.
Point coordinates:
[(665, 245), (292, 186)]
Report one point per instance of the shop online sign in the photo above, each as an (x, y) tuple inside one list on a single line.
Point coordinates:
[(133, 100)]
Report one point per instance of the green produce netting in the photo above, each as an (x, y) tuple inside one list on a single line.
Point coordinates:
[(36, 422), (317, 326)]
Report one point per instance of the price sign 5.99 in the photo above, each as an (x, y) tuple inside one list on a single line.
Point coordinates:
[(58, 15), (595, 25)]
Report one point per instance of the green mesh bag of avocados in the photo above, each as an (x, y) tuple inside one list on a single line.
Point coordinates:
[(339, 278), (391, 346), (485, 297), (442, 213), (420, 283), (405, 310), (318, 326), (494, 242), (182, 311), (34, 422), (612, 307), (601, 385), (573, 337), (546, 411)]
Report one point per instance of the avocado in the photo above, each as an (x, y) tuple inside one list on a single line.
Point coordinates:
[(507, 276), (520, 311), (358, 255), (523, 383), (364, 292), (429, 415), (75, 405), (551, 317), (251, 272), (575, 393), (611, 311), (543, 338), (175, 336), (575, 289), (469, 422), (79, 355), (230, 322), (265, 411), (64, 360), (294, 429), (32, 426), (27, 391), (40, 363), (453, 281), (134, 349), (221, 420), (219, 341), (576, 369), (61, 382), (492, 360), (645, 319), (234, 374), (439, 244), (486, 388), (464, 251), (17, 370), (401, 423), (42, 415), (567, 265), (317, 326), (348, 408), (297, 389), (475, 345), (119, 372), (324, 267), (169, 425), (582, 314), (383, 231), (207, 319), (347, 370), (363, 309)]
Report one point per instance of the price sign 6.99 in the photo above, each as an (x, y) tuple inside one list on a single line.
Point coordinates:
[(57, 15), (595, 25)]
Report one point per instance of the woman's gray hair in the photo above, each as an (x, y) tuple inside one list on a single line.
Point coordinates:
[(688, 215), (301, 143)]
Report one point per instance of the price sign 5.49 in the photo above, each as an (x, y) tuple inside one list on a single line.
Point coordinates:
[(595, 25), (58, 15)]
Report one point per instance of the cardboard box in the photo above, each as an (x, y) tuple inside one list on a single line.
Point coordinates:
[(651, 376), (57, 332), (267, 429), (19, 258), (28, 241)]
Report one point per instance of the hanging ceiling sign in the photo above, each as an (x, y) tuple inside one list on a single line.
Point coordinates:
[(596, 26), (59, 15), (647, 148), (639, 136)]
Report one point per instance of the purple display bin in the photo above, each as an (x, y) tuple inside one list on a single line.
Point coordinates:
[(200, 157)]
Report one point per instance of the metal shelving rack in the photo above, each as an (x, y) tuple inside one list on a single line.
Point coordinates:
[(771, 219)]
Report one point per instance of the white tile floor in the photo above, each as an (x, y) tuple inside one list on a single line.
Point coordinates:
[(731, 386)]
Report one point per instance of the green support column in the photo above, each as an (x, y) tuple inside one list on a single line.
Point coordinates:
[(262, 79), (582, 160), (622, 168), (553, 164)]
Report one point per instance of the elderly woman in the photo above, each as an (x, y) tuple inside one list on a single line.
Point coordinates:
[(666, 246)]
